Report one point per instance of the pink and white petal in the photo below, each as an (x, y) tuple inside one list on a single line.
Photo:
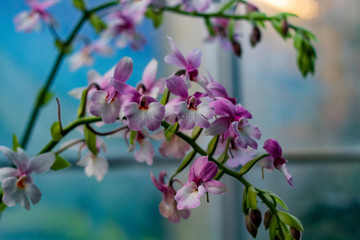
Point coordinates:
[(100, 167), (176, 147), (77, 92), (42, 162), (283, 169), (253, 131), (6, 172), (135, 116), (23, 160), (194, 59), (154, 115), (124, 88), (149, 74), (11, 155), (85, 160), (195, 169), (207, 171), (219, 126), (123, 69), (176, 58), (273, 148), (93, 77), (268, 163), (9, 186), (202, 121), (33, 192), (223, 107), (188, 197), (217, 89), (97, 102), (146, 152), (215, 187), (188, 118), (177, 86), (111, 111), (159, 184), (45, 4), (171, 107)]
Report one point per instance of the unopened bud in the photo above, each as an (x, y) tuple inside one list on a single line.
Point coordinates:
[(255, 216), (250, 226), (251, 8), (296, 234), (267, 218), (236, 48), (255, 36), (285, 27)]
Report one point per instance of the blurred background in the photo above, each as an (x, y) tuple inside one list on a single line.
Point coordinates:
[(316, 120)]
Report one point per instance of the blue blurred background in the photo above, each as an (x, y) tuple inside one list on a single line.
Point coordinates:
[(315, 119)]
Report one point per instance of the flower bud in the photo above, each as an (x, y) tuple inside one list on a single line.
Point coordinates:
[(296, 234), (285, 27), (250, 226), (251, 8), (255, 36), (255, 216), (267, 218), (236, 48)]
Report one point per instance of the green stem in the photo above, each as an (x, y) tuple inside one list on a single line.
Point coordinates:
[(51, 77), (78, 122)]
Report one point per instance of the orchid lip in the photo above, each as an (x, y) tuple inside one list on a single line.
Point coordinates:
[(143, 104)]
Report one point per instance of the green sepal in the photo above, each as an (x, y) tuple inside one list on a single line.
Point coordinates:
[(56, 131), (231, 29), (277, 199), (60, 163), (81, 108), (185, 162), (2, 207), (133, 135), (165, 97), (272, 227), (290, 220), (286, 15), (212, 146), (156, 17), (244, 169), (244, 205), (90, 139), (46, 99), (170, 131), (79, 4), (227, 6), (196, 132), (289, 237), (15, 143), (97, 23), (251, 197)]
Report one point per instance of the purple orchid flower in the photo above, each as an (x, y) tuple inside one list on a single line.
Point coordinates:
[(149, 85), (140, 110), (17, 182), (146, 152), (84, 56), (107, 103), (275, 160), (228, 113), (175, 147), (29, 21), (189, 109), (122, 25), (190, 64), (196, 5), (200, 181), (215, 89), (168, 206)]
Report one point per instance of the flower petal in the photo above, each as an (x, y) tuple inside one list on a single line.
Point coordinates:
[(177, 86), (188, 197), (146, 152), (11, 155), (149, 74), (194, 59), (176, 58), (273, 148), (215, 187), (123, 69), (33, 192), (6, 172), (42, 162), (219, 126)]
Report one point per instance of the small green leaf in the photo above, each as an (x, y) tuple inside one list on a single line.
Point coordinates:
[(45, 98), (227, 6), (255, 16), (289, 237), (133, 135), (286, 15), (97, 23), (2, 207), (187, 159), (56, 131), (90, 139), (244, 169), (290, 220), (61, 47), (156, 17), (60, 163), (79, 4), (277, 199), (196, 132), (272, 227), (165, 97), (251, 197), (245, 207), (15, 143), (212, 145), (170, 131), (231, 29)]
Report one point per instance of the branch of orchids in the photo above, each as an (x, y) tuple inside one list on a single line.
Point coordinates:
[(106, 133), (78, 122), (63, 48)]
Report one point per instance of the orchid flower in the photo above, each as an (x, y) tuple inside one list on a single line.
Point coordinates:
[(95, 165), (84, 56), (176, 147), (149, 85), (275, 160), (146, 152), (189, 109), (190, 64), (122, 24), (17, 182), (168, 206), (140, 110), (29, 21), (106, 103), (200, 181)]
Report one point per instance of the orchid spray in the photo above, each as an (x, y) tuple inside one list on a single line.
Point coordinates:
[(158, 108)]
